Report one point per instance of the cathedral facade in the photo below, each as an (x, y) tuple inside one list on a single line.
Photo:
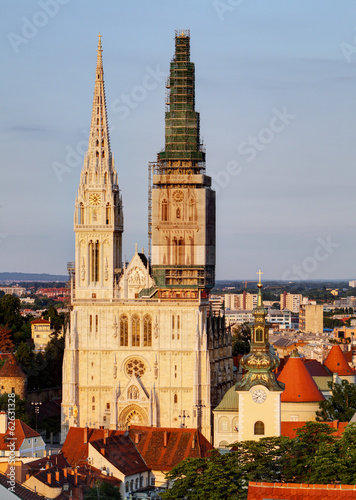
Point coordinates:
[(143, 346)]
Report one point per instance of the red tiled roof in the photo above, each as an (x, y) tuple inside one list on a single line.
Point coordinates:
[(53, 460), (11, 368), (337, 363), (181, 443), (288, 429), (121, 452), (71, 478), (39, 321), (22, 431), (299, 384), (75, 450), (316, 369), (20, 491), (261, 491)]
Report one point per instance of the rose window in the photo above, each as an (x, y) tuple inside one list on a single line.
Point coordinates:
[(135, 367)]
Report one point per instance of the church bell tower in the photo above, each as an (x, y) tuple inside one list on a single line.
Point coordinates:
[(183, 203), (98, 220)]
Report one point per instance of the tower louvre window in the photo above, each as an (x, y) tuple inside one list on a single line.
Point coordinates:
[(124, 331), (135, 324), (147, 331), (94, 261), (108, 212), (81, 214), (259, 335), (164, 210)]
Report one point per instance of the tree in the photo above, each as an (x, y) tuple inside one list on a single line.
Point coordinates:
[(241, 337), (10, 307), (6, 340), (24, 356), (215, 477), (104, 491), (20, 407), (341, 405)]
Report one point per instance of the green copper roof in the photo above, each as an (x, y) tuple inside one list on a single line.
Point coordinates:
[(182, 121), (230, 402)]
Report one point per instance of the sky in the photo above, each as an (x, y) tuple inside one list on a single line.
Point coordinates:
[(275, 88)]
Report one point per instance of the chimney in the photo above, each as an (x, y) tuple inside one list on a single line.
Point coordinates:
[(165, 438), (106, 435), (75, 477), (137, 437), (57, 476), (65, 471), (49, 478), (102, 451), (47, 464), (86, 435), (27, 476)]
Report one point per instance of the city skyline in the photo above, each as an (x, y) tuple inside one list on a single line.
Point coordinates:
[(276, 101)]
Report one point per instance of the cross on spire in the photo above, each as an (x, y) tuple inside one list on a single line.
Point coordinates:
[(259, 274)]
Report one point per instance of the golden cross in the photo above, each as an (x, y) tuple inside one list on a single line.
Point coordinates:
[(259, 274)]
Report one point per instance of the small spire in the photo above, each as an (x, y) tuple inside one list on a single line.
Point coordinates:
[(100, 50), (135, 247), (259, 286)]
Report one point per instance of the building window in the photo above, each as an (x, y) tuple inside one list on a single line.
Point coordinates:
[(93, 407), (135, 324), (108, 406), (259, 428), (147, 331), (96, 323), (175, 399), (94, 261), (132, 392), (259, 335), (81, 214), (223, 424), (108, 212), (91, 323), (93, 399), (164, 210), (124, 331)]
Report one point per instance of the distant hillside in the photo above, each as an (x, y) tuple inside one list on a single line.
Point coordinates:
[(6, 277)]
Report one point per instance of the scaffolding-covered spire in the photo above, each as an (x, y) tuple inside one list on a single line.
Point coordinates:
[(99, 141), (182, 128)]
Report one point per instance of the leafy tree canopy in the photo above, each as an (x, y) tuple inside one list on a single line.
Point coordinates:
[(341, 405), (104, 491)]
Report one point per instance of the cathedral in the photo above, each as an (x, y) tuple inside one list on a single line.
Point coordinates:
[(143, 346)]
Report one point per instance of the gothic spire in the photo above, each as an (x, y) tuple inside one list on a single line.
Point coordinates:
[(181, 120), (99, 141)]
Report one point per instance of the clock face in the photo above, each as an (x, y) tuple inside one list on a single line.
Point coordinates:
[(95, 199), (178, 196), (259, 396)]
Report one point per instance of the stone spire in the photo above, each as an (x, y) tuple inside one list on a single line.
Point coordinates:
[(99, 141), (259, 362), (182, 122)]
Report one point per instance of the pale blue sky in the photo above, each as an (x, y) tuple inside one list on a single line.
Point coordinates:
[(284, 199)]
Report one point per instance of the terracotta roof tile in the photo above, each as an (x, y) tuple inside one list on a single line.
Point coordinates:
[(260, 491), (20, 491), (299, 384), (11, 368), (54, 460), (122, 453), (181, 443), (75, 450), (337, 363), (40, 321), (288, 429), (316, 369), (22, 431)]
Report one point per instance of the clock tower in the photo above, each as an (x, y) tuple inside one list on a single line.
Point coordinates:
[(259, 392), (98, 220)]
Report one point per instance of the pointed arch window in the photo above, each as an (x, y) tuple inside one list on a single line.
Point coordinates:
[(103, 154), (178, 213), (175, 399), (135, 324), (164, 210), (124, 331), (147, 331), (94, 254), (181, 251), (259, 428), (97, 143), (105, 178), (81, 214), (191, 210), (175, 251), (108, 213)]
